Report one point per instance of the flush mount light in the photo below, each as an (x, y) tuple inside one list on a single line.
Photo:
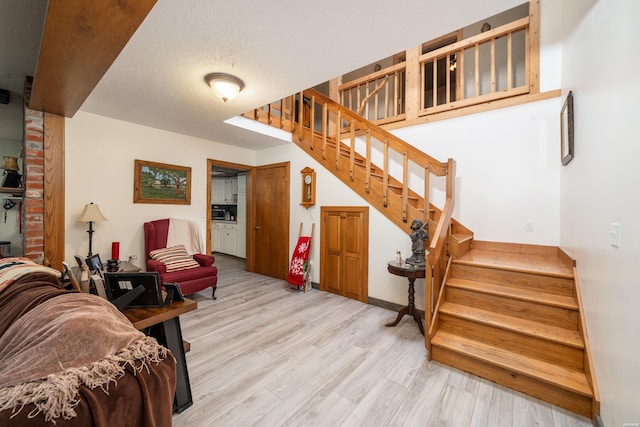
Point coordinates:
[(224, 86)]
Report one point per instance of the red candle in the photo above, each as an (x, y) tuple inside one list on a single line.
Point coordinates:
[(115, 250)]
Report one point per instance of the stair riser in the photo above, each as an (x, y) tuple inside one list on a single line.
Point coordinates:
[(458, 248), (519, 343), (550, 315), (550, 284), (528, 385)]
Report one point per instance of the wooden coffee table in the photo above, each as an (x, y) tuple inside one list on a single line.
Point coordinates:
[(163, 324)]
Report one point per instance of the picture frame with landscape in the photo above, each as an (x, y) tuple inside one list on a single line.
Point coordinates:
[(566, 130), (161, 183)]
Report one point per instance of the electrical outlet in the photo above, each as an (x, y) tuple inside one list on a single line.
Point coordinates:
[(529, 226), (614, 234)]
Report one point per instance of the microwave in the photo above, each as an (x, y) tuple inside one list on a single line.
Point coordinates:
[(217, 213)]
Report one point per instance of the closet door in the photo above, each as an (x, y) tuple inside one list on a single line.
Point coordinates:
[(344, 252)]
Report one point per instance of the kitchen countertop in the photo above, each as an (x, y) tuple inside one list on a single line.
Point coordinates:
[(224, 221)]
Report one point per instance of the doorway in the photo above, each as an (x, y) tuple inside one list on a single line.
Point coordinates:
[(227, 213), (271, 220), (262, 236)]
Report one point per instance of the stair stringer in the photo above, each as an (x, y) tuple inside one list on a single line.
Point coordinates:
[(460, 237)]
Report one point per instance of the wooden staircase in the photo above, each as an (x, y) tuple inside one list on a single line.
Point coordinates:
[(513, 323), (520, 327)]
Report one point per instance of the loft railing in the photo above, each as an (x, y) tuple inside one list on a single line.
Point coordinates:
[(492, 65), (377, 97), (278, 114)]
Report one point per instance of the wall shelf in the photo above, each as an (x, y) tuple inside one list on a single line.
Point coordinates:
[(18, 192)]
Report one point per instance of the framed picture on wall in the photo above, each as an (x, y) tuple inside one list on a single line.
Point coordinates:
[(566, 130), (161, 183)]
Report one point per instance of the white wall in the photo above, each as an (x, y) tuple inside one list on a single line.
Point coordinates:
[(99, 168), (507, 169), (600, 186), (99, 157), (385, 238)]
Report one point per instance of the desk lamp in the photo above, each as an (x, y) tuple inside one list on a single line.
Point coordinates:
[(91, 214)]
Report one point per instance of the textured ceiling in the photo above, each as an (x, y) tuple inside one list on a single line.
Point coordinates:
[(277, 48)]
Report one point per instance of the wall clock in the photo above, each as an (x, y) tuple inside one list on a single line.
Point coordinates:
[(308, 187)]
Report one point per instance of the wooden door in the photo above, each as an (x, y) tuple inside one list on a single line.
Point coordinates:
[(344, 251), (271, 220)]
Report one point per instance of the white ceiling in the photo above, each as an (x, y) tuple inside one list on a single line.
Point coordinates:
[(277, 47)]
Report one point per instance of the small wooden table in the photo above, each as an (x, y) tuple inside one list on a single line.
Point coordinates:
[(412, 273), (125, 266), (163, 324)]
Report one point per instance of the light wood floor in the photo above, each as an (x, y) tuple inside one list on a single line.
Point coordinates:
[(264, 354)]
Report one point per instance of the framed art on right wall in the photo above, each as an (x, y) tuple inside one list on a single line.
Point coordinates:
[(566, 130)]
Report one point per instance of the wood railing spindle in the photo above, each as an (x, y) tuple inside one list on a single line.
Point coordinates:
[(405, 185), (367, 176), (385, 174), (352, 149), (312, 121), (338, 141), (324, 130)]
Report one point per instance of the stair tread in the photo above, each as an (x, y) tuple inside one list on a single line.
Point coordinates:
[(517, 293), (565, 378), (528, 327)]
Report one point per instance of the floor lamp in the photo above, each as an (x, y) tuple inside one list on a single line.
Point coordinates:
[(91, 214)]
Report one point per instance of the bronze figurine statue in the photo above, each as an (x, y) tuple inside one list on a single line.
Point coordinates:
[(419, 236)]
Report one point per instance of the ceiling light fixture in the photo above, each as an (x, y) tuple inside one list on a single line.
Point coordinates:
[(224, 86)]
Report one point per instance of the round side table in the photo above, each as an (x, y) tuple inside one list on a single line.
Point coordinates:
[(411, 273)]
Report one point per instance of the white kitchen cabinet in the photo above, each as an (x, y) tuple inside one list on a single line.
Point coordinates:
[(224, 190), (242, 241), (230, 241), (224, 238), (216, 239), (217, 191), (242, 183)]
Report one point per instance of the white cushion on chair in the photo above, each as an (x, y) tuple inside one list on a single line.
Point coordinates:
[(174, 258)]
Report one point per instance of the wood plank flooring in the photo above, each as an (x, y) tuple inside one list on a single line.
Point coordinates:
[(264, 354)]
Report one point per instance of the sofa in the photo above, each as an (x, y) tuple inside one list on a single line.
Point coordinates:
[(72, 359)]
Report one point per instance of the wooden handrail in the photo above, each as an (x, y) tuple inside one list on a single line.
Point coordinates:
[(396, 144), (477, 39), (446, 90), (437, 258)]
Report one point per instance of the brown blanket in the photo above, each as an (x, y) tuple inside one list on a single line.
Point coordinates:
[(57, 346)]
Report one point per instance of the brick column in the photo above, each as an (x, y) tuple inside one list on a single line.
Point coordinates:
[(33, 180)]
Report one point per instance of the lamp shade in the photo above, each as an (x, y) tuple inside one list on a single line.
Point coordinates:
[(224, 86), (91, 213), (10, 163)]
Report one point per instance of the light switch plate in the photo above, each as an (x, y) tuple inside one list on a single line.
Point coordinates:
[(614, 234)]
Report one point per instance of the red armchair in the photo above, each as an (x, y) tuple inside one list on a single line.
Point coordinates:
[(191, 280)]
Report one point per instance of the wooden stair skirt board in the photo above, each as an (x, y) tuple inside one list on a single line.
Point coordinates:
[(519, 329)]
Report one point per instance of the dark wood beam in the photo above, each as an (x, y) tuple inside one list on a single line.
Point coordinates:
[(81, 39)]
